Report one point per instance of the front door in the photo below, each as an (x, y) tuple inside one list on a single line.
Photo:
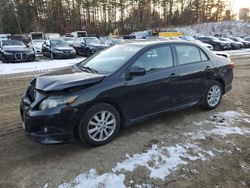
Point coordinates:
[(156, 90)]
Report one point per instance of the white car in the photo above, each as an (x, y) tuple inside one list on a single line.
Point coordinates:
[(36, 45)]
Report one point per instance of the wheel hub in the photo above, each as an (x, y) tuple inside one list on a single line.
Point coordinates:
[(101, 126)]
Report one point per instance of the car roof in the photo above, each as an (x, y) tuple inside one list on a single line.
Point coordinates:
[(153, 43)]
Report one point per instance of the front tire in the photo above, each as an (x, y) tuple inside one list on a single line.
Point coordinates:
[(213, 96), (52, 56), (217, 48), (88, 53), (99, 125), (4, 60)]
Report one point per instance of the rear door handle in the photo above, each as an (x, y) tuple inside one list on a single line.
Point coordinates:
[(208, 68)]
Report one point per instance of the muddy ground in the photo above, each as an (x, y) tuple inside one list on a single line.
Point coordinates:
[(24, 163)]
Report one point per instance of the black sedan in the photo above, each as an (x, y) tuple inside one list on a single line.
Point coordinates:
[(120, 86), (238, 39), (216, 43), (87, 46), (234, 44), (58, 49), (12, 51)]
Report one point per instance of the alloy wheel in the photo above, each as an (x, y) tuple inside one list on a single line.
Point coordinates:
[(214, 95), (101, 126)]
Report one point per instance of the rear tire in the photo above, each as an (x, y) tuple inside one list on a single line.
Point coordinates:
[(99, 125), (213, 96)]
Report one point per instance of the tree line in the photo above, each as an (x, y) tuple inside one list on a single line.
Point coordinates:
[(105, 16)]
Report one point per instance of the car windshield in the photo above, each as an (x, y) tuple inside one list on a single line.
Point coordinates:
[(214, 39), (189, 38), (230, 40), (13, 43), (92, 40), (239, 39), (111, 59), (58, 43)]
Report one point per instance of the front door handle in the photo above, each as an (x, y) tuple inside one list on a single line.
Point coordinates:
[(173, 75)]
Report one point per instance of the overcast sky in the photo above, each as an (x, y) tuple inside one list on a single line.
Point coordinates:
[(237, 4)]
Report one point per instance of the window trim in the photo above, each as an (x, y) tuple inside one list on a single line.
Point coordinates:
[(151, 48), (193, 45), (202, 51)]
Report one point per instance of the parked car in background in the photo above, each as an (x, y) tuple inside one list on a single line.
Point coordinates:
[(77, 34), (4, 37), (247, 39), (49, 36), (234, 44), (58, 49), (36, 45), (12, 51), (192, 39), (87, 46), (113, 41), (69, 40), (221, 35), (36, 35), (238, 39), (121, 86), (216, 43), (21, 37)]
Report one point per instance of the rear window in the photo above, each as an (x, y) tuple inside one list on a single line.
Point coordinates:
[(189, 54)]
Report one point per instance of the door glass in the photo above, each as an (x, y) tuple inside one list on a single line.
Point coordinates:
[(187, 54), (203, 56), (157, 58)]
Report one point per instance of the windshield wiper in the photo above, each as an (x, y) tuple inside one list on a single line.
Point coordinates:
[(89, 69)]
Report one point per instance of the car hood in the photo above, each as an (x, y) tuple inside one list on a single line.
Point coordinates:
[(65, 79), (100, 46), (224, 42), (63, 48), (15, 48)]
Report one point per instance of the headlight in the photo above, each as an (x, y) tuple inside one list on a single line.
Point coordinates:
[(58, 51), (73, 51), (30, 52), (52, 102), (7, 53)]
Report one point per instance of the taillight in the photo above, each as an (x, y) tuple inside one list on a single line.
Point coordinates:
[(231, 65)]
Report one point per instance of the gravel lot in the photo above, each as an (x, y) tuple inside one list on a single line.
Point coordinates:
[(211, 159)]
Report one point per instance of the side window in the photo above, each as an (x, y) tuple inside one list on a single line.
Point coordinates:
[(203, 56), (187, 54), (157, 58)]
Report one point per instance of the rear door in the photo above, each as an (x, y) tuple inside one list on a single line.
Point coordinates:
[(195, 72)]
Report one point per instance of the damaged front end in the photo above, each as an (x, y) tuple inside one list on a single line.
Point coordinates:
[(49, 106)]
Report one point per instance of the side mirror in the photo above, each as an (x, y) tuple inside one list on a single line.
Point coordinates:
[(83, 44), (135, 71)]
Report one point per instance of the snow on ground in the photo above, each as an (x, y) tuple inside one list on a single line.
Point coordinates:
[(41, 65), (92, 180), (161, 161), (235, 28)]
